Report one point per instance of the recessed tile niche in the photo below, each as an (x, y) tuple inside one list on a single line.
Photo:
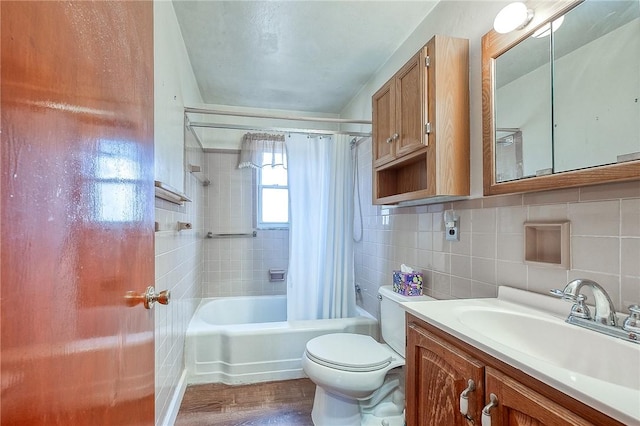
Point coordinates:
[(547, 244)]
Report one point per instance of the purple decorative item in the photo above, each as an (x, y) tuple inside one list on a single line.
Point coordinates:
[(407, 283)]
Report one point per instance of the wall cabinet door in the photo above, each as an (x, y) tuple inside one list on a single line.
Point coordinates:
[(383, 124), (410, 105), (520, 406), (436, 374), (397, 113)]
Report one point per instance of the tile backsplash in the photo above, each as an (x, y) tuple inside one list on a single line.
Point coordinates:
[(605, 242)]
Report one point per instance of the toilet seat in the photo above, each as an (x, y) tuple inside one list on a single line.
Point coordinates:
[(349, 352)]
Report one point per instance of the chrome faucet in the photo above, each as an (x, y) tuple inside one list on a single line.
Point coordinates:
[(605, 312), (604, 319)]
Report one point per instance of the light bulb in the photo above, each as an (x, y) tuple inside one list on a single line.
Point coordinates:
[(513, 16)]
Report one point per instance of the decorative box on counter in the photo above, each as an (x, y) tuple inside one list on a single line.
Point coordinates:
[(407, 283)]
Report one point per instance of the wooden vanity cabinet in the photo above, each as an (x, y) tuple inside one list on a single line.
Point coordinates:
[(436, 374), (438, 367), (421, 126), (518, 405)]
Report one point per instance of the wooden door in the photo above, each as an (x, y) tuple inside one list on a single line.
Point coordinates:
[(436, 374), (520, 406), (410, 104), (77, 212), (383, 105)]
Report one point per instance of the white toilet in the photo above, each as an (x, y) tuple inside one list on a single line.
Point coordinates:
[(360, 382)]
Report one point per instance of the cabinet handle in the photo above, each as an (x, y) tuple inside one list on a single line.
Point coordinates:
[(464, 399), (389, 140), (395, 136), (486, 411)]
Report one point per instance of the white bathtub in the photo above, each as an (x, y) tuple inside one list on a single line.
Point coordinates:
[(237, 340)]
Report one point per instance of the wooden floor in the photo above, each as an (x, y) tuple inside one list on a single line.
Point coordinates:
[(284, 403)]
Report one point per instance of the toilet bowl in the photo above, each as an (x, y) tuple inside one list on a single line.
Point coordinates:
[(359, 381)]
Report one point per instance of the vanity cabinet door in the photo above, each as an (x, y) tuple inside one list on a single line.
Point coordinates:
[(436, 374), (519, 405)]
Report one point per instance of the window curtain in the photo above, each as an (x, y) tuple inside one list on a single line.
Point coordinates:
[(262, 149), (320, 281)]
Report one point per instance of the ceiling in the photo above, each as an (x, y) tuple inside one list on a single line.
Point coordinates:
[(293, 55)]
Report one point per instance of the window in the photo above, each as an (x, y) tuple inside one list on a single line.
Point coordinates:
[(272, 195), (115, 182)]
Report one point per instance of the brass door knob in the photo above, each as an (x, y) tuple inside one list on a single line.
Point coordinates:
[(148, 298)]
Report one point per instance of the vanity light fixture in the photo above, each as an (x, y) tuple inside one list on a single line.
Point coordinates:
[(513, 16), (547, 28)]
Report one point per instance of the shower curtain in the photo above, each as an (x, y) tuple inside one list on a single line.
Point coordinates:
[(320, 282)]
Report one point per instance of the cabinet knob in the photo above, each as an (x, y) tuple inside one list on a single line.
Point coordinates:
[(395, 136), (464, 399), (389, 140), (486, 411)]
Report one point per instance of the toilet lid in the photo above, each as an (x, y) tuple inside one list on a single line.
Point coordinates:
[(349, 352)]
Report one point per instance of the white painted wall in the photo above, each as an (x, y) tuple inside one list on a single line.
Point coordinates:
[(178, 255), (466, 19), (175, 87)]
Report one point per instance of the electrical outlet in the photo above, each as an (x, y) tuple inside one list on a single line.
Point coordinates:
[(451, 226), (451, 234)]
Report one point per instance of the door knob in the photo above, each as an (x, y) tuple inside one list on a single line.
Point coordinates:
[(148, 298)]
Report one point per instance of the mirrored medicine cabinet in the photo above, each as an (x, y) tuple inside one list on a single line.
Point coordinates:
[(561, 103)]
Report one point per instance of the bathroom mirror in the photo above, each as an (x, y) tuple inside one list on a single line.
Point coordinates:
[(561, 103)]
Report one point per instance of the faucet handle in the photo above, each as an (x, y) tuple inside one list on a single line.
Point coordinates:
[(557, 292), (564, 296), (579, 309), (632, 322)]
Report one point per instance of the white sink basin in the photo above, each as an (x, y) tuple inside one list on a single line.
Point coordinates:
[(552, 340), (529, 332)]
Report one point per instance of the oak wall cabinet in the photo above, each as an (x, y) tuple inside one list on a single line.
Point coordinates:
[(421, 126), (440, 367)]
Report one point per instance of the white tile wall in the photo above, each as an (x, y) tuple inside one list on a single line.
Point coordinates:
[(237, 266), (178, 268)]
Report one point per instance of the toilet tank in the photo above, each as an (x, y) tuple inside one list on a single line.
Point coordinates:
[(392, 321)]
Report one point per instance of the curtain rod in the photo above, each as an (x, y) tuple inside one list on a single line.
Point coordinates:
[(193, 132), (276, 117), (276, 129)]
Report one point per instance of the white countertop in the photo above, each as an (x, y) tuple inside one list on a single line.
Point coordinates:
[(619, 402)]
